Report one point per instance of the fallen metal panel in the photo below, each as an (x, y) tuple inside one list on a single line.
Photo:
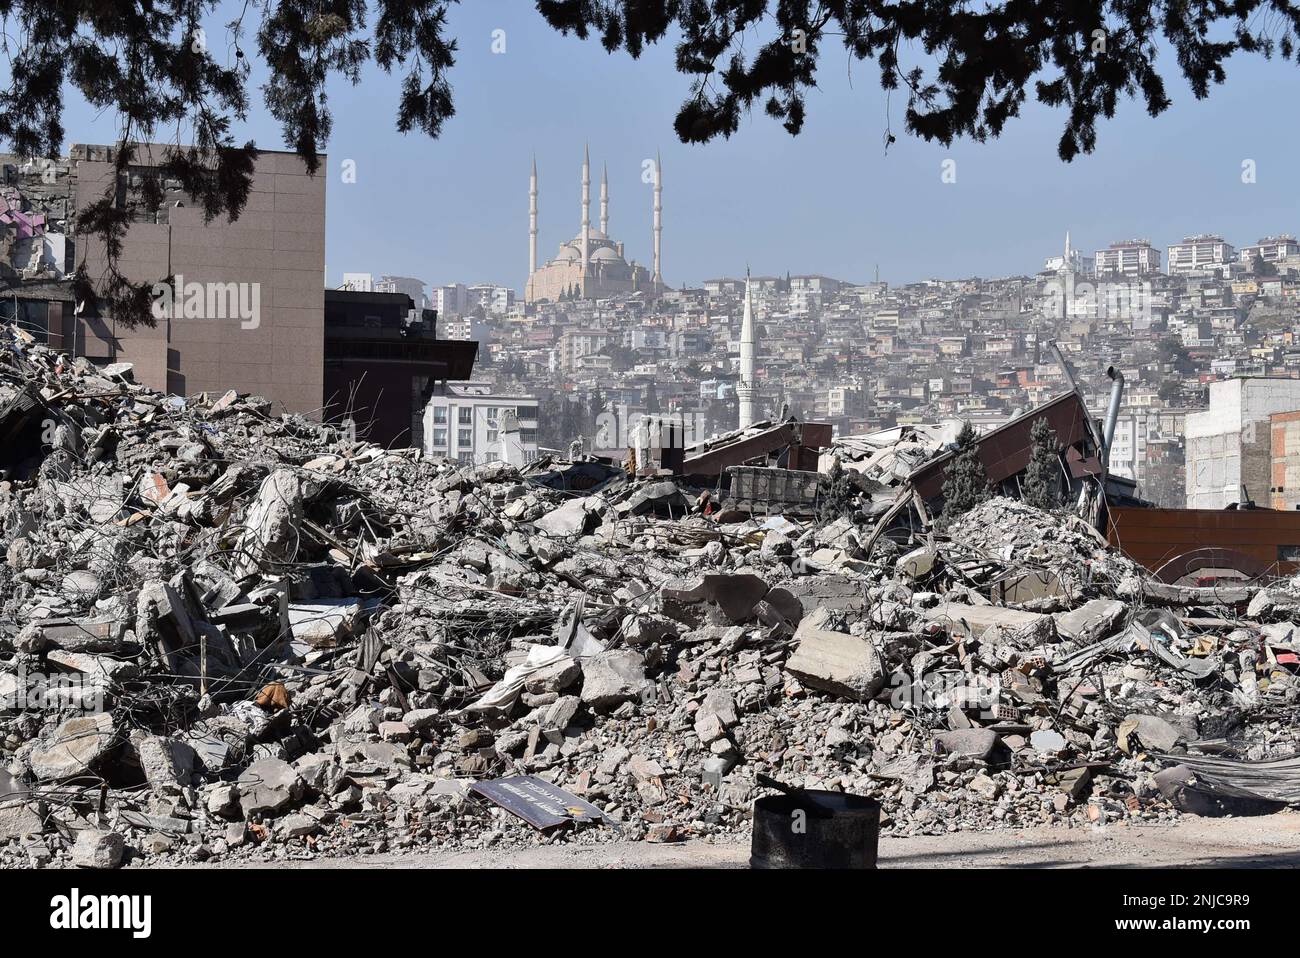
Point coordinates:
[(538, 802), (1278, 780)]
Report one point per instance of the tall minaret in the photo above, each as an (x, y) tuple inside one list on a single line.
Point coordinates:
[(745, 391), (658, 277), (532, 221), (604, 200), (586, 216), (1068, 280)]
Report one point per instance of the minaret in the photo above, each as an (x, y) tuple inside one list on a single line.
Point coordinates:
[(658, 277), (532, 222), (604, 200), (745, 391), (1068, 280), (586, 216)]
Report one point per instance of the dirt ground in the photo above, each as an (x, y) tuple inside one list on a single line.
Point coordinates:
[(1271, 841)]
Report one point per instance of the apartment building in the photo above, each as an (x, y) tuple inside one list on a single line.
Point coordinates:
[(470, 423), (1136, 257), (1204, 251), (1270, 249)]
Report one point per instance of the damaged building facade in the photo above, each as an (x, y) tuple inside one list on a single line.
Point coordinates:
[(275, 249)]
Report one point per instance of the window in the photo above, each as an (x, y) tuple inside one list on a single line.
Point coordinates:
[(492, 413), (465, 415), (466, 437), (491, 435), (440, 437), (526, 412), (440, 415)]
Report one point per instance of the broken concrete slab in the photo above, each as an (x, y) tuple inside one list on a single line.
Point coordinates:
[(271, 528), (1094, 620), (99, 849), (267, 787), (611, 678), (325, 623), (835, 661), (734, 594), (979, 743), (979, 619), (642, 628), (20, 818), (78, 747)]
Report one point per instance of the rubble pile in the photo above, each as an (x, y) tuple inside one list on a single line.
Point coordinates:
[(228, 633)]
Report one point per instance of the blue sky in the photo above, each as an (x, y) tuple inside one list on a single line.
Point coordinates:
[(830, 200)]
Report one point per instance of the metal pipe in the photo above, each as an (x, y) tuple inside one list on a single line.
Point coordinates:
[(1112, 413), (1065, 367)]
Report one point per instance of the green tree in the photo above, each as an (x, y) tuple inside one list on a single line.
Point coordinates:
[(835, 493), (966, 484), (1041, 487)]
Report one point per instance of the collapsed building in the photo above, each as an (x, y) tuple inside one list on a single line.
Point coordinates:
[(228, 634)]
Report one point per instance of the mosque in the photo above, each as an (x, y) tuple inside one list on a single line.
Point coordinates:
[(591, 266)]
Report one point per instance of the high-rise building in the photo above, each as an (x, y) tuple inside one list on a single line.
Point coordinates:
[(450, 300), (1270, 249), (1135, 257), (247, 311), (1204, 251)]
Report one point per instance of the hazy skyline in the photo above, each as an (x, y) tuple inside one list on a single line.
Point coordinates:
[(830, 200)]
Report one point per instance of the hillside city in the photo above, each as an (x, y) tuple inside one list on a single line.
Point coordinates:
[(868, 356)]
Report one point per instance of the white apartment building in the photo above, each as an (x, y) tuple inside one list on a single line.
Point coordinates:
[(449, 300), (576, 343), (497, 300), (464, 327), (366, 283), (1270, 249), (470, 423), (412, 287), (1134, 427), (1204, 251), (1135, 257)]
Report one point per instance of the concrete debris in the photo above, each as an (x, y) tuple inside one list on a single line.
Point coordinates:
[(97, 849), (279, 641), (835, 661), (77, 747), (611, 678)]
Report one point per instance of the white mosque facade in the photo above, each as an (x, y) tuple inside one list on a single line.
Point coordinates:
[(591, 265)]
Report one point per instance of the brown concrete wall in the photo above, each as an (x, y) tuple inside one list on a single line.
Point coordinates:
[(278, 242)]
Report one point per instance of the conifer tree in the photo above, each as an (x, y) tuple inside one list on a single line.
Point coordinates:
[(966, 484), (1041, 487)]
